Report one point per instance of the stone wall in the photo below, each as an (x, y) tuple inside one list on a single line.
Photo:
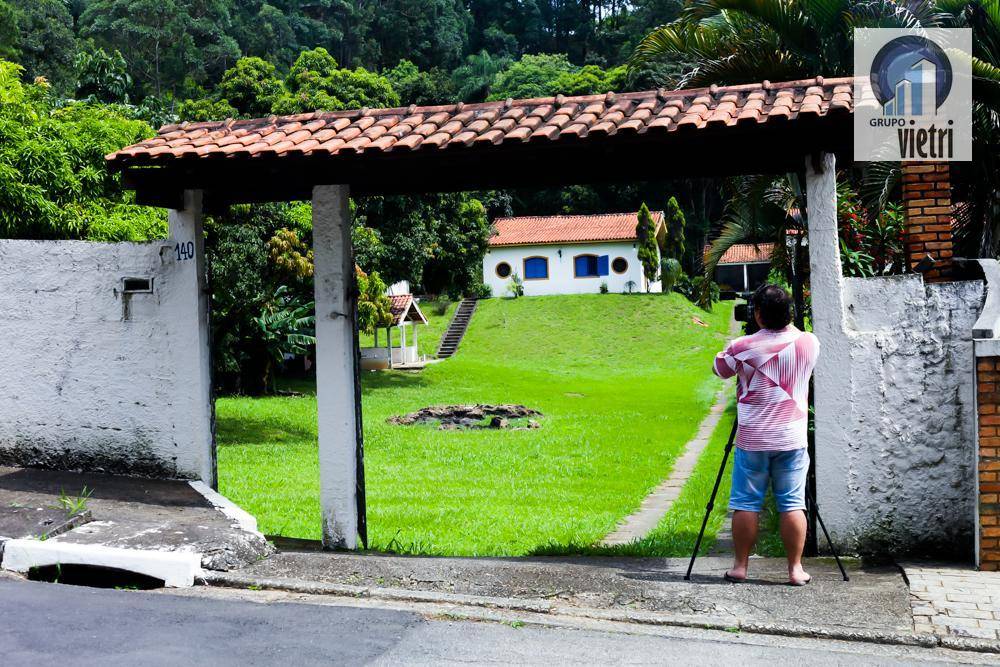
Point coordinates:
[(895, 424), (93, 378)]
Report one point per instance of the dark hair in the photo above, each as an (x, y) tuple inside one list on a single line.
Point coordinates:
[(774, 305)]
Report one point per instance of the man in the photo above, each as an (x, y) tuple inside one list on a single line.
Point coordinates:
[(773, 367)]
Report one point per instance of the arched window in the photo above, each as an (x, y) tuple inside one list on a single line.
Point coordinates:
[(619, 265), (536, 268), (503, 270)]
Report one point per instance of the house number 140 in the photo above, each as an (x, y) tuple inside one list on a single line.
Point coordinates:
[(184, 251)]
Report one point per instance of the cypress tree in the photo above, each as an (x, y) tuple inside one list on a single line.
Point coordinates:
[(645, 233), (675, 230)]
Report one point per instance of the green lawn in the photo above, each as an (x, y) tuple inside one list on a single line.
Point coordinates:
[(623, 382)]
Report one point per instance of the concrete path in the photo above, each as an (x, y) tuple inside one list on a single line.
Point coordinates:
[(202, 626), (656, 505), (955, 600)]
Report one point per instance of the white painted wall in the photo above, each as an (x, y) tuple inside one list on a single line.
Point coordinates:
[(895, 400), (94, 380), (561, 279), (897, 474)]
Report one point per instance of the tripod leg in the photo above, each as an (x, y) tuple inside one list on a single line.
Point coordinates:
[(833, 549), (711, 500)]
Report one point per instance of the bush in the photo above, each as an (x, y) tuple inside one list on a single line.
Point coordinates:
[(604, 288), (481, 291), (670, 274), (516, 285)]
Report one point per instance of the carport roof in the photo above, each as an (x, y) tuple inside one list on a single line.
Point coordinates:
[(720, 130)]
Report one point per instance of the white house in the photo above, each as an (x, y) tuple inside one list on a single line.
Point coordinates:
[(568, 254)]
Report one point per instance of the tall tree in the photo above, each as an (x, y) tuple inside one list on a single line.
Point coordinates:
[(428, 32), (645, 232), (46, 44), (251, 87), (165, 42), (102, 76), (316, 83), (9, 37), (474, 79), (675, 224)]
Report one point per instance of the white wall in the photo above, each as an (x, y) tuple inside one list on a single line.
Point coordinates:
[(94, 380), (561, 279), (895, 451)]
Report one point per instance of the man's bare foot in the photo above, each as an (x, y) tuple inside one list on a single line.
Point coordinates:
[(736, 574), (797, 576)]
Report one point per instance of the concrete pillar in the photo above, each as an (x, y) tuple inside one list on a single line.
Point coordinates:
[(336, 391), (831, 379), (186, 248)]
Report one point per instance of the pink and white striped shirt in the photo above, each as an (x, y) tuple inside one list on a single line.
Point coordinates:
[(772, 386)]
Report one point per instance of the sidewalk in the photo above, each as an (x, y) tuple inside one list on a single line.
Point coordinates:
[(953, 600), (874, 602)]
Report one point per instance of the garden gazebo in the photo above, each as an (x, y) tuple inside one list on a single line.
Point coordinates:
[(326, 157)]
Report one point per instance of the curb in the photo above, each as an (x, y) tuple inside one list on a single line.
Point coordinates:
[(923, 640)]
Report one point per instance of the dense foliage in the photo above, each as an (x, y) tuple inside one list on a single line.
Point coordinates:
[(52, 179)]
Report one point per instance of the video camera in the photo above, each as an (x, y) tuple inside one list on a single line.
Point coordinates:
[(744, 313)]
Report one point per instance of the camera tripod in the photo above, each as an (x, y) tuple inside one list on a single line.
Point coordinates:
[(810, 502)]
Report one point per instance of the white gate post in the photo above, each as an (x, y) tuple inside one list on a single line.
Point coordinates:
[(193, 364), (335, 365), (832, 377)]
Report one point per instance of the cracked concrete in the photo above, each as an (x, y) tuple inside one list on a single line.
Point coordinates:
[(126, 513)]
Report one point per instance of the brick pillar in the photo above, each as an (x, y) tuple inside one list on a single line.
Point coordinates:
[(927, 207), (988, 401)]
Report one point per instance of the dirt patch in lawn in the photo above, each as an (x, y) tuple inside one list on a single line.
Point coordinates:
[(452, 417)]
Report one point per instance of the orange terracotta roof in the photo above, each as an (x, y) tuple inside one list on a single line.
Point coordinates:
[(403, 307), (534, 230), (458, 126), (747, 253)]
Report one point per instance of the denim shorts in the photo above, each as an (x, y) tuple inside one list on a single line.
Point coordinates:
[(786, 472)]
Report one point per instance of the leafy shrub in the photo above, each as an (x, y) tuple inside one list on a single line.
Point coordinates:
[(670, 274), (515, 286)]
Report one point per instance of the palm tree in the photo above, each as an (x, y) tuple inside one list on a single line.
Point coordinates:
[(744, 41), (747, 41), (475, 78)]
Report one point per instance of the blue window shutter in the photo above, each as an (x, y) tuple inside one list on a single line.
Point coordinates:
[(582, 266), (602, 265), (536, 268)]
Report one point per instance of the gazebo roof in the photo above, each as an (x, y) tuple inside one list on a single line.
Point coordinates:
[(752, 128), (405, 309)]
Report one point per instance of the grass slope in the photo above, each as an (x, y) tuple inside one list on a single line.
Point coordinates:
[(623, 382)]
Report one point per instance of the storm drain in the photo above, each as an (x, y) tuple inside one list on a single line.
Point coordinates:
[(174, 569), (94, 576)]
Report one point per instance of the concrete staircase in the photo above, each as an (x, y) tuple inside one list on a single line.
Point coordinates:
[(456, 330)]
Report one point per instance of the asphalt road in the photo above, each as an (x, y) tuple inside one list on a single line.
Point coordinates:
[(44, 624)]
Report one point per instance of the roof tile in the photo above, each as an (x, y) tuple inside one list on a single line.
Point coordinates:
[(542, 119), (535, 230)]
